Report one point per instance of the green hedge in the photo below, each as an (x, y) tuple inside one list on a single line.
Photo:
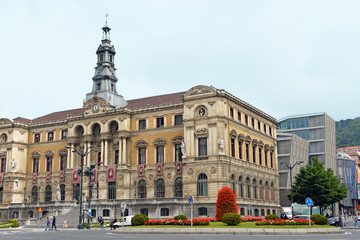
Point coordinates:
[(182, 217), (231, 219), (272, 216), (319, 219), (139, 219)]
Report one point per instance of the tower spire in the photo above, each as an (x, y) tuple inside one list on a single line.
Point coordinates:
[(106, 29)]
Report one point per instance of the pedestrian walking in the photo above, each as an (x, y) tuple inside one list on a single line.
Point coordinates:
[(337, 221), (102, 222), (47, 224), (53, 223), (356, 221), (65, 224), (343, 221)]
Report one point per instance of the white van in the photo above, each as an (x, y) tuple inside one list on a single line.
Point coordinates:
[(126, 221)]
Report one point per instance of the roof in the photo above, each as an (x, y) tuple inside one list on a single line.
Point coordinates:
[(147, 102), (301, 116)]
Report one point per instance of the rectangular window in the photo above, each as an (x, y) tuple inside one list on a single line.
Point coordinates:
[(37, 137), (64, 134), (254, 154), (164, 212), (98, 86), (253, 122), (98, 157), (111, 190), (246, 120), (144, 211), (3, 165), (142, 155), (202, 146), (178, 153), (116, 157), (266, 158), (159, 122), (202, 211), (35, 165), (49, 164), (142, 124), (259, 126), (260, 156), (270, 132), (271, 160), (239, 116), (50, 136), (240, 150), (264, 128), (159, 154), (63, 159), (233, 147), (178, 120), (247, 152), (232, 113)]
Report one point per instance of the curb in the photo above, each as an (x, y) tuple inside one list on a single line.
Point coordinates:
[(227, 231)]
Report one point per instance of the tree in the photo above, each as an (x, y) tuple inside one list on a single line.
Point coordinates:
[(226, 202), (319, 184)]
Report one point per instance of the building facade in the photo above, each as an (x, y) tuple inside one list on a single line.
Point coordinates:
[(291, 149), (153, 153), (319, 130)]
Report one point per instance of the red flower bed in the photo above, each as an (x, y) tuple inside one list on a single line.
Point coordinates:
[(284, 222), (251, 219), (196, 222)]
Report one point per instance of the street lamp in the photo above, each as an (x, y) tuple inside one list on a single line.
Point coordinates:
[(89, 173), (290, 167), (80, 171)]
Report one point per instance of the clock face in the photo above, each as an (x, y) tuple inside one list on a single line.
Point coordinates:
[(95, 108), (201, 111)]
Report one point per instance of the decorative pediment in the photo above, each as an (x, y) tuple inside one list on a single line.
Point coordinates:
[(254, 142), (35, 154), (4, 121), (141, 143), (177, 140), (272, 148), (261, 144), (3, 154), (49, 153), (159, 141), (233, 134), (63, 151), (199, 91), (267, 146), (248, 139), (200, 132), (241, 137)]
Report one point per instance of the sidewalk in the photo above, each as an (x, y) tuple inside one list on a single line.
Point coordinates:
[(229, 231)]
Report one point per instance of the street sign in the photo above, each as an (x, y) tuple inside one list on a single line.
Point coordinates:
[(89, 211), (40, 210), (190, 200), (309, 202)]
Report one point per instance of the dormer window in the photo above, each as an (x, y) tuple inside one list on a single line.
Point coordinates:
[(98, 86), (111, 58), (50, 136), (101, 57), (37, 137)]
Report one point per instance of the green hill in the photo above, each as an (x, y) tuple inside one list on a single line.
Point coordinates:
[(348, 133)]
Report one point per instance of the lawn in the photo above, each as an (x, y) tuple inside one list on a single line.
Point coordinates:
[(241, 225)]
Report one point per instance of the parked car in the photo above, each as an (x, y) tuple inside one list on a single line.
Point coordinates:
[(301, 217), (126, 221), (332, 222)]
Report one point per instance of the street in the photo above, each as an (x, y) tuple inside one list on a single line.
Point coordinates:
[(351, 234)]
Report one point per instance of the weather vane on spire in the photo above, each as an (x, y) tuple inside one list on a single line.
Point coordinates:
[(106, 16)]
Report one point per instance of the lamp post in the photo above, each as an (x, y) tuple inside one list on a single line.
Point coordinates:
[(290, 167), (82, 155), (89, 173)]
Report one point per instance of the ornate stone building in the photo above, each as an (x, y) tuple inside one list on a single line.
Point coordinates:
[(153, 153)]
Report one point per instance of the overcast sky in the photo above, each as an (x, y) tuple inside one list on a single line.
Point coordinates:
[(283, 57)]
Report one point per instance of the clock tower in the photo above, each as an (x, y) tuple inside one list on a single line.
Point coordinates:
[(104, 80)]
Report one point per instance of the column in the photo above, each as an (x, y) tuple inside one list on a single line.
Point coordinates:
[(87, 158), (68, 158), (102, 151), (120, 151), (123, 160), (72, 155), (106, 152)]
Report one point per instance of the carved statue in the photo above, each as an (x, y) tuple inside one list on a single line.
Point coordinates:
[(58, 194), (94, 191), (13, 165), (221, 144), (183, 149)]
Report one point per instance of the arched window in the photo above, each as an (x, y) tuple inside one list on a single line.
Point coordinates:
[(79, 131), (30, 214), (178, 187), (240, 187), (3, 138), (247, 187), (261, 190), (233, 183), (96, 130), (266, 190), (62, 192), (1, 195), (106, 213), (114, 126), (34, 194), (262, 212), (254, 188), (256, 212), (142, 189), (272, 192), (48, 193), (160, 188), (202, 185)]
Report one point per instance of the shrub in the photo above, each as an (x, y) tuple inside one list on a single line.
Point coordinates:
[(319, 219), (272, 216), (226, 202), (182, 217), (231, 219), (139, 219)]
